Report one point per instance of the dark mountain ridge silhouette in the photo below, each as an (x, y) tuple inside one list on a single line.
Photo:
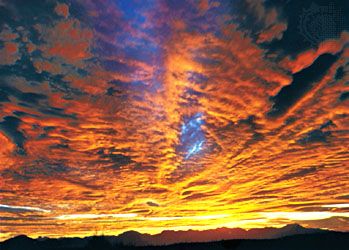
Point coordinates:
[(171, 237), (136, 240)]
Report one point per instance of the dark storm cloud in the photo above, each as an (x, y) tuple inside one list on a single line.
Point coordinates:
[(303, 81)]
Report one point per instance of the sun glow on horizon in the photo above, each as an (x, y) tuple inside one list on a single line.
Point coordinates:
[(174, 115)]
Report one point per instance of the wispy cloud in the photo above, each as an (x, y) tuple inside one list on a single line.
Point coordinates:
[(199, 217), (9, 208), (299, 216), (336, 205), (94, 216), (156, 115), (137, 217)]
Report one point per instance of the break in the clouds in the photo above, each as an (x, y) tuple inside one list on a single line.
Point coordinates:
[(192, 113)]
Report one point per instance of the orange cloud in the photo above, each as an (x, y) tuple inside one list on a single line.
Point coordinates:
[(102, 123), (306, 58), (274, 32), (67, 41), (62, 10), (9, 53)]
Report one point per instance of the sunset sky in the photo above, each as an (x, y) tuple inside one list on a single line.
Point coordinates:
[(120, 115)]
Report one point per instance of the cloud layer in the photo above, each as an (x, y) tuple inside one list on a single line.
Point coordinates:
[(193, 114)]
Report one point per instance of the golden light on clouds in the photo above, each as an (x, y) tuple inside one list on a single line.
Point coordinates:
[(153, 117)]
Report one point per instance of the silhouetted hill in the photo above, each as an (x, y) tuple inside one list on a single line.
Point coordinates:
[(171, 237), (302, 238)]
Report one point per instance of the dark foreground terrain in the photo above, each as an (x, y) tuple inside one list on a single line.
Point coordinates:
[(317, 241)]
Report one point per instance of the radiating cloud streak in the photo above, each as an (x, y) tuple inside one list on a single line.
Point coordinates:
[(9, 208), (94, 216), (193, 218), (190, 114), (336, 205), (299, 216), (133, 216)]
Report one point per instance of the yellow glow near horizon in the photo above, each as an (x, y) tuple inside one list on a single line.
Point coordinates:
[(175, 118)]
